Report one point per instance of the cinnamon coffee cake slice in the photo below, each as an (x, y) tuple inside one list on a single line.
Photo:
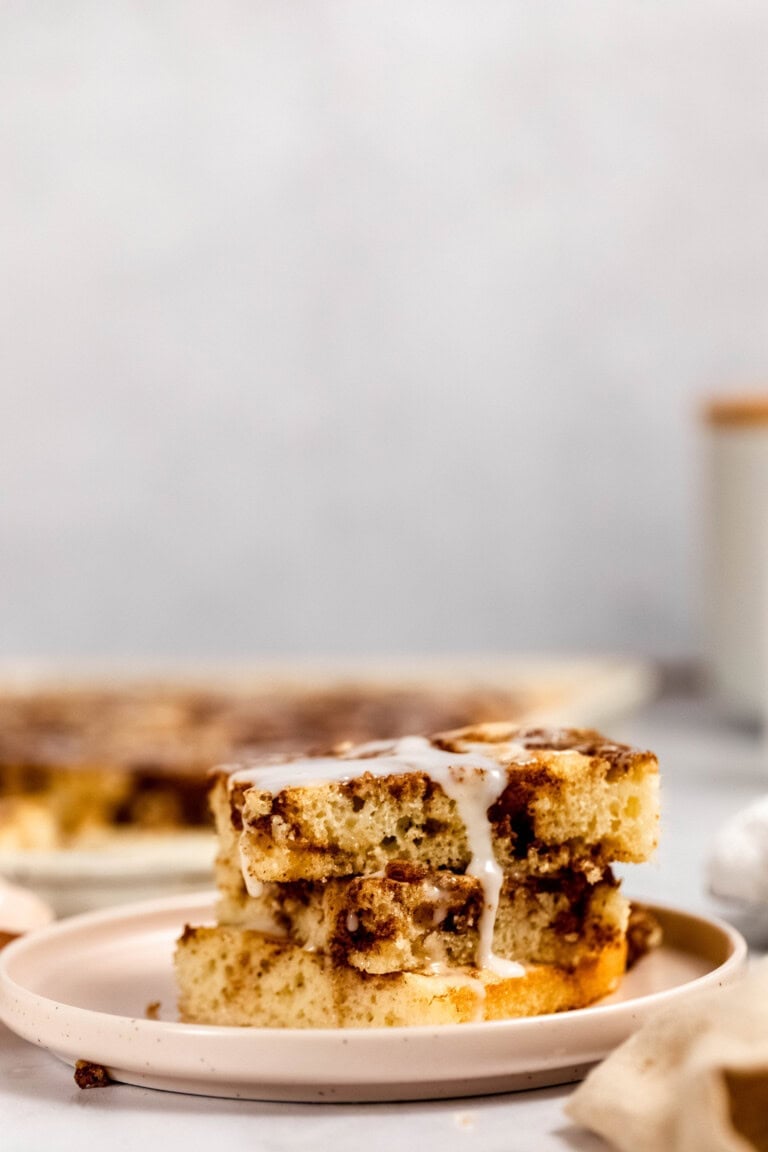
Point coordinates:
[(414, 920), (236, 976), (563, 798)]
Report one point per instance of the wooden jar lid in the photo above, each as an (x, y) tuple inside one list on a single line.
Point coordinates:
[(741, 411)]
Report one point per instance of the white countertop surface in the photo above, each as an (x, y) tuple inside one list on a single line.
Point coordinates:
[(709, 771)]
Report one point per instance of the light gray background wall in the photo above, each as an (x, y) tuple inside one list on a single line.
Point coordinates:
[(352, 326)]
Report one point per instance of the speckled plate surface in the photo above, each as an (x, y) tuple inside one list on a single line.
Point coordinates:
[(80, 988)]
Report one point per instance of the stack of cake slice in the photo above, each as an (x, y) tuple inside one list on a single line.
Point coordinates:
[(423, 881)]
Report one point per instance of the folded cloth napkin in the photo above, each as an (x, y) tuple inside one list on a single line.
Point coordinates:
[(694, 1078)]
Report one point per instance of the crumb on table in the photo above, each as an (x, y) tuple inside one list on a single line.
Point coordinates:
[(88, 1075)]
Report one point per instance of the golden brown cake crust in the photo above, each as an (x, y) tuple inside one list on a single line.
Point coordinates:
[(586, 741)]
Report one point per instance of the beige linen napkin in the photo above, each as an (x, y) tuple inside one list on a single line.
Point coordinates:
[(693, 1079)]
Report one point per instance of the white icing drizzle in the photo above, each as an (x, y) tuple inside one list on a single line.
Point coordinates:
[(440, 901), (472, 780)]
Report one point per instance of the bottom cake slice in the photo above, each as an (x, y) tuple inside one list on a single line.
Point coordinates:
[(237, 976)]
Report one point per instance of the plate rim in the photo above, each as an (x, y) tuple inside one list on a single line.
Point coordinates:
[(21, 1009)]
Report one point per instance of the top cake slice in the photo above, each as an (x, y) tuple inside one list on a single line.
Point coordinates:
[(536, 799)]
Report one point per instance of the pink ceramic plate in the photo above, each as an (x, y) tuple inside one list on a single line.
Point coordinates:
[(81, 989)]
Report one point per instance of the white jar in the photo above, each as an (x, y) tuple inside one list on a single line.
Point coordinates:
[(736, 603)]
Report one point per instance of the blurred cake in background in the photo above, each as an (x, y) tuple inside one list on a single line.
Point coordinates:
[(75, 763)]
